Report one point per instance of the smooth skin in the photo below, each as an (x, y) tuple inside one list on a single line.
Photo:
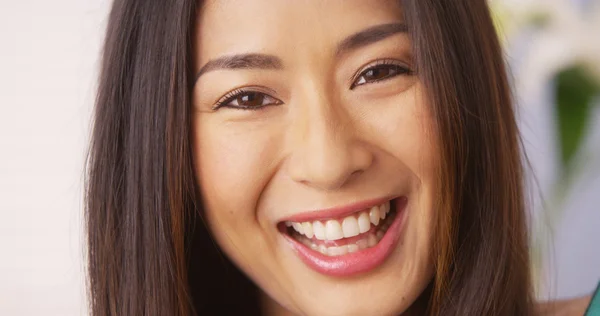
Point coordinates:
[(328, 135), (319, 124)]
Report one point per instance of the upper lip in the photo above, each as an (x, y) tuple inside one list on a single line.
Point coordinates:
[(336, 212)]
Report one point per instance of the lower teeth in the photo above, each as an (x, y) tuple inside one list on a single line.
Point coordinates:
[(369, 240)]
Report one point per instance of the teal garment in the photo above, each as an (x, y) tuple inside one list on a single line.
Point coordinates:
[(594, 307)]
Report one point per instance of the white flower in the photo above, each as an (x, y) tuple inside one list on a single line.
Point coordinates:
[(568, 36)]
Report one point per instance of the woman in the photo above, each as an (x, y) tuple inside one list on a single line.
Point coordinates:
[(305, 157)]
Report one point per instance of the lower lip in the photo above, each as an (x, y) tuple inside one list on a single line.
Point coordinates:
[(357, 262)]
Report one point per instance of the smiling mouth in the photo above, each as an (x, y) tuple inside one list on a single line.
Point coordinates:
[(337, 237), (349, 240)]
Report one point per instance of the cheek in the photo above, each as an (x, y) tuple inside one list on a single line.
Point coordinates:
[(404, 128), (233, 164), (407, 133)]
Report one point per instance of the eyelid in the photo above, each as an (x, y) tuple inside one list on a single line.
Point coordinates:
[(378, 62)]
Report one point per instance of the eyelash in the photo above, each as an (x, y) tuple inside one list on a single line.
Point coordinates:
[(233, 94), (401, 70), (230, 96)]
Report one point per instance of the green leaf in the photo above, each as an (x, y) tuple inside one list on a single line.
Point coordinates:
[(575, 90)]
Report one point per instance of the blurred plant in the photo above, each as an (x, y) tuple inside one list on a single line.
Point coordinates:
[(575, 92), (562, 49)]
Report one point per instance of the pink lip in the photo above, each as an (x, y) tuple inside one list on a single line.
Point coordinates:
[(336, 212), (357, 262)]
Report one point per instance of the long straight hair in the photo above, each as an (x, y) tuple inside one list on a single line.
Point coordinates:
[(149, 252)]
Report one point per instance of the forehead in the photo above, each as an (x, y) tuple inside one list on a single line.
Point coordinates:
[(284, 27)]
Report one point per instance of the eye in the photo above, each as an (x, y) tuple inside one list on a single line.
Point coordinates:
[(382, 70), (246, 99)]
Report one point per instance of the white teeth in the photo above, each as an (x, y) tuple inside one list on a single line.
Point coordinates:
[(374, 215), (298, 228), (364, 223), (308, 230), (352, 248), (350, 227), (333, 230), (372, 240), (337, 251), (368, 240), (362, 244), (382, 211), (318, 230), (323, 249)]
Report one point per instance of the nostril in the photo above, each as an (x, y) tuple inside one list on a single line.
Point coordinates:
[(355, 174)]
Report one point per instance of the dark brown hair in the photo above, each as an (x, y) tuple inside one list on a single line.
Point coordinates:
[(148, 249)]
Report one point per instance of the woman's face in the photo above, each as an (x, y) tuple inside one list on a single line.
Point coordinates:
[(314, 149)]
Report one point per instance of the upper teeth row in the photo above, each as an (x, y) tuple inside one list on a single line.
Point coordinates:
[(347, 227)]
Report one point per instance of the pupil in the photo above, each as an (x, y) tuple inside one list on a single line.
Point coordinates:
[(373, 73), (250, 99), (377, 73)]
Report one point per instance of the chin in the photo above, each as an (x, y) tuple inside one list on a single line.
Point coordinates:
[(353, 269)]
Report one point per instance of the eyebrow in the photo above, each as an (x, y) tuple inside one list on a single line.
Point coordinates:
[(370, 36), (242, 61), (263, 61)]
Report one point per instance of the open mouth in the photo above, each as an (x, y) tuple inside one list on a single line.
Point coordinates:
[(349, 244), (336, 237)]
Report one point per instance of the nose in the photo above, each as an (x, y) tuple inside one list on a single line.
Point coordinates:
[(326, 153)]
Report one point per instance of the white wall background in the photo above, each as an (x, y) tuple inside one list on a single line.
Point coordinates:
[(48, 60)]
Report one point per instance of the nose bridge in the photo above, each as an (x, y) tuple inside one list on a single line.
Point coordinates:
[(324, 151), (323, 126)]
